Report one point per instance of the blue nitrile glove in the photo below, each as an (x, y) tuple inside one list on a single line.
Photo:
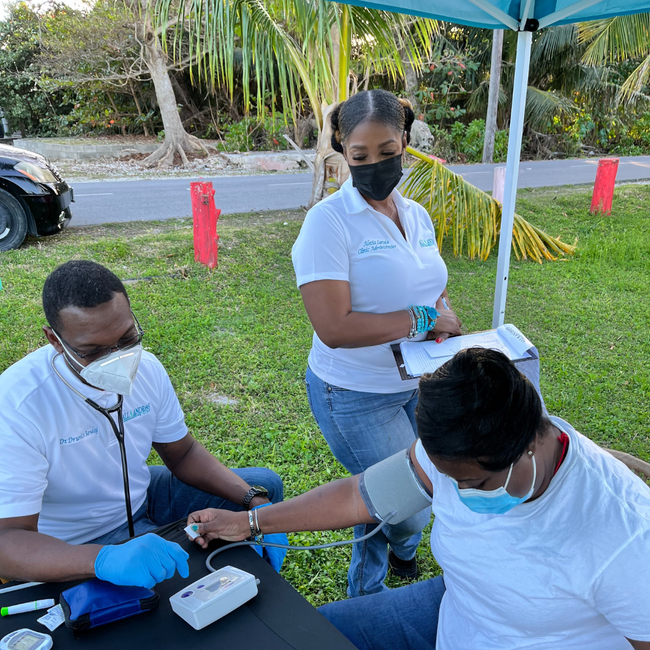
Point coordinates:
[(274, 556), (141, 562)]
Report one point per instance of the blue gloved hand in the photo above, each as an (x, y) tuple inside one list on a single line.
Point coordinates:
[(141, 562), (274, 556)]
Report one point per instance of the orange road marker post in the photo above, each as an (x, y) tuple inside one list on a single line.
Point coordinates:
[(601, 200), (205, 215)]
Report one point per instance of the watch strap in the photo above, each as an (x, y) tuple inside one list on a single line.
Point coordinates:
[(255, 491)]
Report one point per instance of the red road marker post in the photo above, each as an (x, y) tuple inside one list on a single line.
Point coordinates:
[(205, 215), (601, 200)]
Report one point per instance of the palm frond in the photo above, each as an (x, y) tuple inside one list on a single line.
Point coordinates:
[(616, 39), (472, 217), (286, 45), (633, 86), (543, 105), (552, 42)]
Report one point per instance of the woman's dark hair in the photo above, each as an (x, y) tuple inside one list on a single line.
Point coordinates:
[(478, 406), (369, 105), (78, 283)]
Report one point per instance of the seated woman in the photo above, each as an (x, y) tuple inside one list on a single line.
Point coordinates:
[(543, 537)]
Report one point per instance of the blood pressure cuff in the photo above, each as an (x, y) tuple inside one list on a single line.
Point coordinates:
[(97, 602), (393, 486)]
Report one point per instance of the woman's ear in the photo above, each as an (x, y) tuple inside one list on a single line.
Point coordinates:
[(404, 143)]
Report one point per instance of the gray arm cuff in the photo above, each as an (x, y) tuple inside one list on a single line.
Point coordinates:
[(393, 485)]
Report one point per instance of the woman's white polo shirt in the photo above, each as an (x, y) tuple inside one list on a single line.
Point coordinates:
[(343, 238)]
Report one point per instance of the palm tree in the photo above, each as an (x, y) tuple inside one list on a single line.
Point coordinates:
[(299, 49), (306, 49)]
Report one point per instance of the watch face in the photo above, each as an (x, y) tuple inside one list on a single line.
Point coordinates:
[(260, 490)]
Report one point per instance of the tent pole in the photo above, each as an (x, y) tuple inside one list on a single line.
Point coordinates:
[(524, 41)]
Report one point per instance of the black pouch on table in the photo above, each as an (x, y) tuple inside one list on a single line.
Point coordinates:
[(96, 603)]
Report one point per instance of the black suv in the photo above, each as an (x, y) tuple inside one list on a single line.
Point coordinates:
[(34, 199)]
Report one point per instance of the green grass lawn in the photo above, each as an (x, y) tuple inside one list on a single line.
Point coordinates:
[(241, 332)]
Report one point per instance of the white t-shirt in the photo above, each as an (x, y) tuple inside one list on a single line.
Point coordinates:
[(343, 238), (59, 456), (568, 571)]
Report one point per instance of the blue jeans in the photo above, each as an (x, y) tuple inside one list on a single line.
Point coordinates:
[(169, 499), (362, 429), (400, 619)]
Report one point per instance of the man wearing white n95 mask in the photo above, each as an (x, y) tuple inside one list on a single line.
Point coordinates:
[(62, 488)]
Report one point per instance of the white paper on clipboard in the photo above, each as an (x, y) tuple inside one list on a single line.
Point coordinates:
[(428, 356)]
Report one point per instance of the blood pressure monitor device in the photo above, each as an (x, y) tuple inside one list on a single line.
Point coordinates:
[(26, 640), (212, 597)]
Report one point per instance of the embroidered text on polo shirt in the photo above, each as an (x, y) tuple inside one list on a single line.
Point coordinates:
[(137, 412), (371, 245), (424, 243), (84, 435)]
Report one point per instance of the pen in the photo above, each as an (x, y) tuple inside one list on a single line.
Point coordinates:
[(446, 306), (18, 587), (27, 607)]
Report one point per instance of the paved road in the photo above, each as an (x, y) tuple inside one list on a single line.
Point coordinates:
[(105, 202)]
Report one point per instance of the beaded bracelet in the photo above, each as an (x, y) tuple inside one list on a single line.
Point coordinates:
[(413, 331), (425, 319)]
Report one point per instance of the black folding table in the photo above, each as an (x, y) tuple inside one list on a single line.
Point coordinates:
[(278, 618)]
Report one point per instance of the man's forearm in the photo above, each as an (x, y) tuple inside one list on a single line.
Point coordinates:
[(200, 469), (32, 556)]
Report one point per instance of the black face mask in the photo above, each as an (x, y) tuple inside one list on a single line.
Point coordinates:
[(378, 180)]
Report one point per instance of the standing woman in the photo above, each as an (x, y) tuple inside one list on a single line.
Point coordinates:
[(370, 274)]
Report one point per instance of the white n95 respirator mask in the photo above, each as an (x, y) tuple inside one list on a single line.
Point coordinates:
[(116, 372)]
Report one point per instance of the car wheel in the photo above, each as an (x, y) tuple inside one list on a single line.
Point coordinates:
[(13, 222)]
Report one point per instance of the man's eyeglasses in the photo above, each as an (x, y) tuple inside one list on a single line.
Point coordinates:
[(122, 344)]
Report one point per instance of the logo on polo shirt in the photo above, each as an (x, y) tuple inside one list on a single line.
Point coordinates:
[(137, 412), (425, 243), (86, 434), (372, 245)]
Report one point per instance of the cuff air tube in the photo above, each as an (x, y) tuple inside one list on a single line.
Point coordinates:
[(393, 485)]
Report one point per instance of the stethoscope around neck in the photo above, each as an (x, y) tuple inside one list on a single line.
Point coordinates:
[(118, 430)]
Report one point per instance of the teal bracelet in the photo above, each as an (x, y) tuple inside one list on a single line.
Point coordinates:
[(425, 317)]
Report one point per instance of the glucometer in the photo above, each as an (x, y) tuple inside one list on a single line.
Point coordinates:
[(26, 639), (213, 596)]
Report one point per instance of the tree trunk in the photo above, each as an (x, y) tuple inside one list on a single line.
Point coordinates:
[(330, 168), (493, 99), (177, 140), (411, 81), (336, 53)]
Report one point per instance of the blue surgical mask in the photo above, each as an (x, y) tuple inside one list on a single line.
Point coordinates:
[(493, 502)]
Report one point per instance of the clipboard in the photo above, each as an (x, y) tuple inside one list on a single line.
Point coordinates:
[(426, 355)]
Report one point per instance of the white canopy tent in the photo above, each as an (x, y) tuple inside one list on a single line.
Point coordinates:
[(523, 17)]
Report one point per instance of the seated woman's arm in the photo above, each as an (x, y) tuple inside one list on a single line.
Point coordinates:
[(335, 505), (329, 307), (328, 507)]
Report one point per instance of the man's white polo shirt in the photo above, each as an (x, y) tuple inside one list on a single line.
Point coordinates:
[(59, 456), (343, 238)]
